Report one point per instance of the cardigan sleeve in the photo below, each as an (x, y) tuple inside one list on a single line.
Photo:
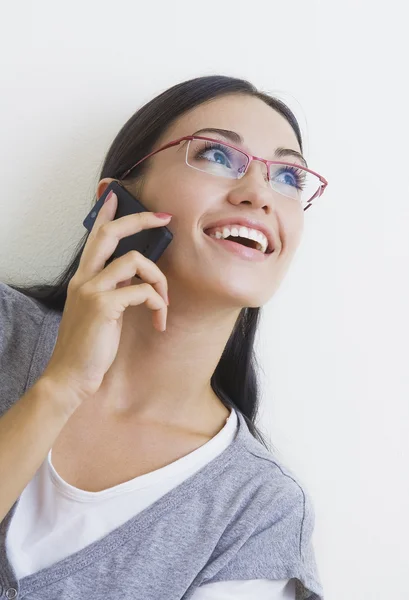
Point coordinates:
[(282, 544), (21, 325)]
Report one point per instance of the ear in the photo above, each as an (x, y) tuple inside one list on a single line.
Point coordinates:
[(103, 184)]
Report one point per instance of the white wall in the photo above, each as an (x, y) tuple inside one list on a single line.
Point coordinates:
[(334, 338)]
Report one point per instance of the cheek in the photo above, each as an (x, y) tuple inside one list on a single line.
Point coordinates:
[(188, 197), (173, 191), (293, 227)]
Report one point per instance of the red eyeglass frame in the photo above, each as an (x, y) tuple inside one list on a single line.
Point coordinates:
[(250, 157)]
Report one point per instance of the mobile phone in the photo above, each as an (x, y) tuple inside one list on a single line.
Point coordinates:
[(150, 242)]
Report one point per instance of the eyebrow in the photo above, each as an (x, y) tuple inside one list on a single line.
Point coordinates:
[(235, 138)]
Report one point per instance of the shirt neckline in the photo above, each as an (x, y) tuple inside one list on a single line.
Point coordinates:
[(138, 523), (142, 481)]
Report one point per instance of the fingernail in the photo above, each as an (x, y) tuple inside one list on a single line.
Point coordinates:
[(163, 215), (108, 197)]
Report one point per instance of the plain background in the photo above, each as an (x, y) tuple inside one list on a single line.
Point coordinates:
[(334, 339)]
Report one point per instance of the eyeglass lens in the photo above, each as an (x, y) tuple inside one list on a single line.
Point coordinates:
[(217, 159)]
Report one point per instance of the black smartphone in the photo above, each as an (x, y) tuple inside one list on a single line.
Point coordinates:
[(150, 242)]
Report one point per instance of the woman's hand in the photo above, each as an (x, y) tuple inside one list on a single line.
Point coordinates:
[(91, 323)]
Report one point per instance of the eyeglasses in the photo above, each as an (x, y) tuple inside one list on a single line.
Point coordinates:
[(218, 158)]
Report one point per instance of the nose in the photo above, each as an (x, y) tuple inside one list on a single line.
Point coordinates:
[(253, 188), (257, 169)]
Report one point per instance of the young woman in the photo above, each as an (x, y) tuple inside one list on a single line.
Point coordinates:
[(130, 461)]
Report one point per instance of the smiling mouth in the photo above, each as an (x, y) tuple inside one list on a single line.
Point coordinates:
[(243, 251), (242, 241)]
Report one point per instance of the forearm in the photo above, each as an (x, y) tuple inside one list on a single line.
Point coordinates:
[(27, 432)]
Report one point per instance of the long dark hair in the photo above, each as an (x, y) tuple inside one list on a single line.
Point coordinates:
[(235, 379)]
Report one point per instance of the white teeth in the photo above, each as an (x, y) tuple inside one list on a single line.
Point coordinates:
[(245, 232)]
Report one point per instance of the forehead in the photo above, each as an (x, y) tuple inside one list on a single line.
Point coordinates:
[(262, 128)]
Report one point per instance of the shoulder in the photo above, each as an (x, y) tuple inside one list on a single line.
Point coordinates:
[(272, 472), (290, 497), (16, 306), (271, 521), (23, 337), (276, 500), (21, 320)]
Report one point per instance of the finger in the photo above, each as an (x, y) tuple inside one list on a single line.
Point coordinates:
[(105, 214), (99, 248), (134, 295), (127, 266), (122, 284)]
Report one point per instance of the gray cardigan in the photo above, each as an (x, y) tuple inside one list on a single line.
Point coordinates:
[(243, 516)]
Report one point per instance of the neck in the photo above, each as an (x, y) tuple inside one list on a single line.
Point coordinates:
[(164, 377)]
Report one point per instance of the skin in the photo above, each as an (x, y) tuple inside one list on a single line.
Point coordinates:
[(162, 380)]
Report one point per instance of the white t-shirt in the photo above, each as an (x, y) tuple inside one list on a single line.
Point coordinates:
[(54, 519)]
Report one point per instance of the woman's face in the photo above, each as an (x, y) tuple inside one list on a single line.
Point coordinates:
[(193, 262)]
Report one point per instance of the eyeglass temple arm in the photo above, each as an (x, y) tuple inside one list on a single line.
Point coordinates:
[(175, 143)]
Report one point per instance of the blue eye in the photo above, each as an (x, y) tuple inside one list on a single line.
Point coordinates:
[(220, 158), (217, 153), (293, 177)]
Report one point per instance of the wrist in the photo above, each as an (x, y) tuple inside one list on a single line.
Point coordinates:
[(58, 394)]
